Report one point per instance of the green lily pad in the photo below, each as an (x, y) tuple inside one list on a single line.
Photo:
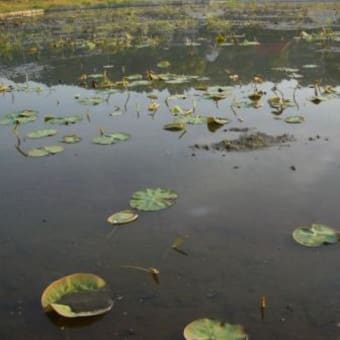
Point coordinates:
[(163, 64), (37, 152), (21, 117), (192, 119), (53, 149), (316, 235), (71, 138), (294, 119), (77, 295), (41, 133), (45, 151), (207, 329), (111, 138), (63, 120), (96, 100), (175, 126), (153, 199), (122, 217)]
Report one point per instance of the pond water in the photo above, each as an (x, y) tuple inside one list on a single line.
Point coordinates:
[(236, 208)]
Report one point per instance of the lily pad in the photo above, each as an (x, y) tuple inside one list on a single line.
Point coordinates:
[(192, 119), (71, 139), (53, 149), (316, 235), (37, 152), (163, 64), (207, 329), (77, 295), (21, 117), (63, 120), (153, 199), (123, 217), (111, 138), (41, 133), (45, 151), (294, 119)]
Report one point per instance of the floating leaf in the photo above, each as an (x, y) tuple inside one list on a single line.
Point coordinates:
[(123, 217), (134, 77), (175, 126), (163, 64), (216, 120), (249, 43), (294, 119), (316, 235), (21, 117), (63, 120), (71, 138), (53, 149), (215, 123), (192, 119), (207, 329), (77, 295), (37, 152), (153, 199), (45, 151), (96, 100), (111, 138), (41, 133)]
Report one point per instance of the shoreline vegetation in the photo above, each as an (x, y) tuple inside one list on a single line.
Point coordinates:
[(9, 6)]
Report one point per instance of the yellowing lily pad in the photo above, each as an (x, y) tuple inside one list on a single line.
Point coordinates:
[(153, 199), (77, 295), (316, 235), (207, 329), (294, 119), (123, 217), (41, 133)]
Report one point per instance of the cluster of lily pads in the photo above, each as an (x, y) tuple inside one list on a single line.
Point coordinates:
[(87, 294)]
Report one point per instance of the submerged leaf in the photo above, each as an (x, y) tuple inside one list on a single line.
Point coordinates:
[(208, 329), (153, 199), (316, 235), (77, 295)]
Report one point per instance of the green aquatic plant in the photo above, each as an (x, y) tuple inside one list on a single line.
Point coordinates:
[(208, 329), (316, 235), (153, 199)]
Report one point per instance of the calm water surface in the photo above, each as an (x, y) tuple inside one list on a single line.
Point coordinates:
[(238, 208)]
